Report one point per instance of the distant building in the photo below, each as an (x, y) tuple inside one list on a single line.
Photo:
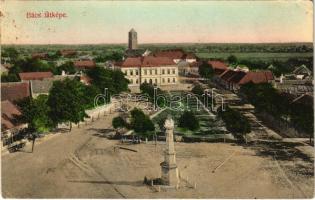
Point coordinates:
[(218, 66), (186, 69), (26, 76), (233, 79), (149, 69), (14, 91), (40, 55), (177, 55), (132, 40), (84, 64), (302, 72), (68, 52)]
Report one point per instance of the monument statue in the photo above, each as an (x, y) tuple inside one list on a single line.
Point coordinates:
[(169, 168)]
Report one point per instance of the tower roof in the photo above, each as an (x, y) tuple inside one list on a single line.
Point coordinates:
[(132, 30)]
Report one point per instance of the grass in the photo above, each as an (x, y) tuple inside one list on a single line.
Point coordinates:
[(256, 56)]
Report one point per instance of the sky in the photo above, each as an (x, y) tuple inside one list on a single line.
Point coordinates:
[(103, 22)]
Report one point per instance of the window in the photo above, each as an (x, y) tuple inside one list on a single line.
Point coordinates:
[(131, 81), (174, 80), (163, 71), (150, 71), (168, 80), (155, 80), (163, 80), (131, 72), (145, 72), (173, 71), (137, 72), (156, 71), (137, 81), (150, 81), (168, 71)]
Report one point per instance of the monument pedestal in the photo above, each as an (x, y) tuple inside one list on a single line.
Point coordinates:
[(170, 175)]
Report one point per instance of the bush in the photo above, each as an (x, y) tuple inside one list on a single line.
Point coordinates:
[(197, 89), (140, 122), (188, 120), (118, 122), (234, 120)]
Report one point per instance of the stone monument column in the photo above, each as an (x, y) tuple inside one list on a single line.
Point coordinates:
[(169, 168)]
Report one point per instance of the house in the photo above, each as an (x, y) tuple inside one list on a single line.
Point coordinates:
[(14, 91), (27, 76), (11, 128), (302, 72), (86, 80), (176, 55), (218, 66), (40, 55), (84, 64), (38, 87), (68, 52), (186, 69), (149, 69), (233, 79)]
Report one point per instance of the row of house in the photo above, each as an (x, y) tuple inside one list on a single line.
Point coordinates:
[(32, 85), (232, 79)]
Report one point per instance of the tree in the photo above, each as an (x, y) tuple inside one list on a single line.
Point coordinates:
[(66, 100), (141, 123), (9, 78), (35, 113), (232, 59), (103, 78), (118, 122), (235, 121), (206, 70), (188, 120), (11, 52), (67, 67), (198, 90)]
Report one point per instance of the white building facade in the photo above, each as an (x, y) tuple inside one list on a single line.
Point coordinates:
[(154, 70)]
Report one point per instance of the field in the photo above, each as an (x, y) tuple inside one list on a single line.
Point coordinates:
[(255, 56)]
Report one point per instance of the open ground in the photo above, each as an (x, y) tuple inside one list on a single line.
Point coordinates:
[(84, 164)]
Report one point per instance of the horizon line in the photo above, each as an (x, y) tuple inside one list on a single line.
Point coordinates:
[(162, 43)]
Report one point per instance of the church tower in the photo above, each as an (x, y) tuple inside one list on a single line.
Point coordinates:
[(132, 40)]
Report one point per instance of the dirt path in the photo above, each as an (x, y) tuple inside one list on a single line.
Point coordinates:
[(28, 175)]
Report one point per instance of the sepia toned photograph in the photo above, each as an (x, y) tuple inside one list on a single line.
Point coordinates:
[(157, 99)]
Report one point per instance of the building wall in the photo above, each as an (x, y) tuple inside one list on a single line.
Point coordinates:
[(160, 75)]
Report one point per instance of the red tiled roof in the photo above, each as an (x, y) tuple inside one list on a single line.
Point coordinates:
[(257, 77), (14, 91), (9, 112), (25, 76), (39, 55), (147, 61), (85, 79), (156, 61), (216, 64), (67, 52), (84, 64)]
